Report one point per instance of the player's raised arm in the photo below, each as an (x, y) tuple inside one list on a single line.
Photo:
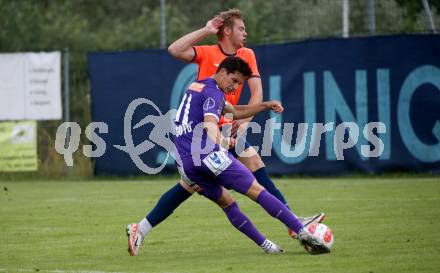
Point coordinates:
[(246, 111), (256, 89), (182, 47)]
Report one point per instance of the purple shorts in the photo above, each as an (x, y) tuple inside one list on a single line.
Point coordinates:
[(235, 176)]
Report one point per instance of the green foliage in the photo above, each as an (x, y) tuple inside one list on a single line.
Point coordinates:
[(380, 225)]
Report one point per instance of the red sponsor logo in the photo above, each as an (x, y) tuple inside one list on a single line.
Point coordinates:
[(195, 86)]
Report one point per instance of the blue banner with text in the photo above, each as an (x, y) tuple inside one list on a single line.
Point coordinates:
[(358, 104)]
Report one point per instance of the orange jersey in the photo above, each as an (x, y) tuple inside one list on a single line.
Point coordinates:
[(209, 57)]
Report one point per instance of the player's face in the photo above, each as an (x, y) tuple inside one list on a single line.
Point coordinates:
[(238, 34), (228, 82)]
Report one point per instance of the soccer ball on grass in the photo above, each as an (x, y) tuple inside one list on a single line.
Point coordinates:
[(323, 233)]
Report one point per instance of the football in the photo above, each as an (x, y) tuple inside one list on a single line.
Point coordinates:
[(323, 233)]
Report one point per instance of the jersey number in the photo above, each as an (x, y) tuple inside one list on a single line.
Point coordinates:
[(185, 108)]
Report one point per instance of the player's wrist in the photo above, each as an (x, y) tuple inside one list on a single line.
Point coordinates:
[(207, 31), (224, 143)]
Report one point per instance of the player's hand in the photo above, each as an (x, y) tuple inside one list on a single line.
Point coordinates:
[(232, 142), (214, 24), (275, 106), (239, 127), (228, 143)]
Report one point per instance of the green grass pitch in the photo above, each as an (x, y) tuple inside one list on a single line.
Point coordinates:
[(380, 225)]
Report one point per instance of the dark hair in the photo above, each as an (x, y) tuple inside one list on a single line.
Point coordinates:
[(228, 20), (234, 64)]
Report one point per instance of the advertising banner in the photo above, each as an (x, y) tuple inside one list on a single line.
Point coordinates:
[(359, 104), (30, 86), (18, 146)]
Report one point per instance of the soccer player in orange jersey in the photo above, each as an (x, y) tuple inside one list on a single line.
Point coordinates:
[(231, 32)]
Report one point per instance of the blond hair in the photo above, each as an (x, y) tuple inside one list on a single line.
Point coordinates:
[(228, 20)]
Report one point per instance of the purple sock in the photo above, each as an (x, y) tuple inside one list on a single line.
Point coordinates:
[(243, 224), (278, 210)]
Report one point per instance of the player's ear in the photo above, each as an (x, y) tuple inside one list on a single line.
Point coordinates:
[(227, 30)]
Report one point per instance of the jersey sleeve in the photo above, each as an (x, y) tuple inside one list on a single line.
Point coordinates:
[(252, 61), (213, 104), (200, 53)]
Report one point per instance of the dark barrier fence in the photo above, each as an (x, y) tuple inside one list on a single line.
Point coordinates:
[(368, 104)]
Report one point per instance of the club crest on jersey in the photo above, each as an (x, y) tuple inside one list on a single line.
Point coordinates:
[(208, 104)]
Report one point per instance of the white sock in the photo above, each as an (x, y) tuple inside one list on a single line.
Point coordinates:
[(144, 227)]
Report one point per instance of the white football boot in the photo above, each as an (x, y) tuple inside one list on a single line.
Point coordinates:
[(270, 247), (135, 239)]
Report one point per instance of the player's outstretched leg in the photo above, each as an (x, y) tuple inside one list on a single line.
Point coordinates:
[(167, 203), (255, 164), (239, 220), (263, 179), (244, 225), (237, 177), (278, 210)]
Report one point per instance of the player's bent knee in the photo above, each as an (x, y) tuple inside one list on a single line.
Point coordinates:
[(225, 199), (255, 190), (186, 187), (253, 163)]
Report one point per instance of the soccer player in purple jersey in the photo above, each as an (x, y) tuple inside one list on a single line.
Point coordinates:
[(230, 28), (205, 163)]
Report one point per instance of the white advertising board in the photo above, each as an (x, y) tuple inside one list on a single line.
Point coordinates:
[(30, 86)]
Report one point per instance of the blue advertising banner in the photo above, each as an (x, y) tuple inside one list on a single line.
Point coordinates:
[(359, 104)]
